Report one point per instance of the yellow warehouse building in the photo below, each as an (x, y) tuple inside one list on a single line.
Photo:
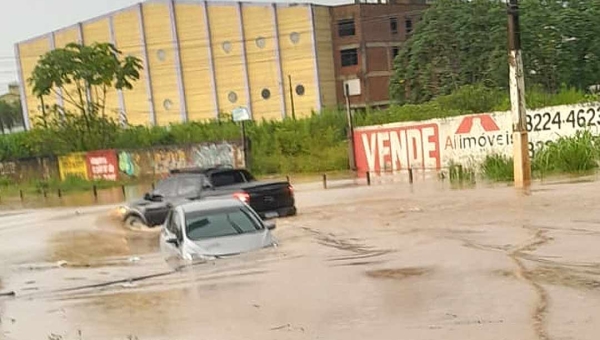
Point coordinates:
[(202, 58)]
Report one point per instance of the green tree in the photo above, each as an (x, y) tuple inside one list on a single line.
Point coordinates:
[(82, 76), (10, 116), (462, 42)]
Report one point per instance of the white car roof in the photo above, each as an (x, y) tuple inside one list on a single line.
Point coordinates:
[(211, 204)]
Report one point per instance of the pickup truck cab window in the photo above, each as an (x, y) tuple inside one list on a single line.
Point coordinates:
[(189, 186), (225, 178), (166, 187)]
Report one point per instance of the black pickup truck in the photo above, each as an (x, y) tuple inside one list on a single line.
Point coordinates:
[(269, 199)]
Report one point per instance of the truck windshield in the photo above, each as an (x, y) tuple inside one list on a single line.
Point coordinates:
[(218, 223)]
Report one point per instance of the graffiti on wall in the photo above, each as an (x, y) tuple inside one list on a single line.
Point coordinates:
[(167, 159), (158, 162), (210, 155), (129, 163)]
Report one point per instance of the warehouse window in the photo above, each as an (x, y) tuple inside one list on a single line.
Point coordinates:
[(167, 104), (349, 57), (260, 42), (227, 46), (346, 28), (265, 94), (232, 96), (300, 90), (161, 54), (295, 37), (395, 52), (394, 25)]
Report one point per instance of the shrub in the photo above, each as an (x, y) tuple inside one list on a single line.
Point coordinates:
[(498, 168), (574, 154)]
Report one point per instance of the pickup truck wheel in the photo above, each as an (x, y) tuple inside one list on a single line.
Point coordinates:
[(134, 221)]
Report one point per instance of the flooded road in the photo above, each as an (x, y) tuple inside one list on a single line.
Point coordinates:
[(381, 262)]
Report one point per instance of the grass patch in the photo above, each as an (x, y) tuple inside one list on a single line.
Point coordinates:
[(460, 174), (498, 168), (574, 155)]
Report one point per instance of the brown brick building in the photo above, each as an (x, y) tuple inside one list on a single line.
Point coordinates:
[(367, 35)]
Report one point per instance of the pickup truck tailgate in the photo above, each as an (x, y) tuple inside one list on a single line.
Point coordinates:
[(269, 196)]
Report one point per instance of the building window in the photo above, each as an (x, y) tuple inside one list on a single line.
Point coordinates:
[(394, 25), (349, 57), (227, 46), (395, 52), (232, 96), (295, 37), (346, 28), (409, 26), (167, 104), (260, 42), (161, 55), (265, 94), (300, 90)]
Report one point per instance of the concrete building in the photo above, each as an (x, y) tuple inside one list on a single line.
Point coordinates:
[(367, 36), (202, 58)]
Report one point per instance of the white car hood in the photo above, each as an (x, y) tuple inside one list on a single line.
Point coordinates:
[(229, 245)]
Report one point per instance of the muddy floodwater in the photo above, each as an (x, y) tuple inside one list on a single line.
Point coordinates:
[(380, 262)]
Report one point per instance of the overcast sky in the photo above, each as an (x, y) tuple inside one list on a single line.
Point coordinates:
[(25, 19)]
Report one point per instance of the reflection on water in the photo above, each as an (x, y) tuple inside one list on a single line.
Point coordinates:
[(76, 199)]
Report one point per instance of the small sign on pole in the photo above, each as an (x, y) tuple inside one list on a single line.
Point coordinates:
[(240, 114)]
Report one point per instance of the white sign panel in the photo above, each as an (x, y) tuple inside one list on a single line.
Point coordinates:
[(240, 114), (353, 87)]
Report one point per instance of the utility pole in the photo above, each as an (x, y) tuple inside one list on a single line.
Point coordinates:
[(522, 163)]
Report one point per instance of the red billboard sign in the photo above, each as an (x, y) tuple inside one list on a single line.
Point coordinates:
[(102, 164), (397, 148)]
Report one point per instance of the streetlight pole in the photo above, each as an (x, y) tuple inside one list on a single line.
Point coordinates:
[(522, 163)]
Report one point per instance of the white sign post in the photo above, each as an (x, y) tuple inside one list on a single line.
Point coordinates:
[(242, 114)]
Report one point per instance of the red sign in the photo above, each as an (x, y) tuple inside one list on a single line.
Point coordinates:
[(398, 148), (102, 164), (487, 123)]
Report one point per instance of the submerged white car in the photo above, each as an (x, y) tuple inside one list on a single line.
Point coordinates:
[(212, 228)]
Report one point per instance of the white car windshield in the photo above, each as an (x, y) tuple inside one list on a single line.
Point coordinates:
[(218, 223)]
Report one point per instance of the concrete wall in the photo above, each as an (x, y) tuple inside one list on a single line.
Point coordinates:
[(202, 58), (468, 139), (112, 165), (29, 169)]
